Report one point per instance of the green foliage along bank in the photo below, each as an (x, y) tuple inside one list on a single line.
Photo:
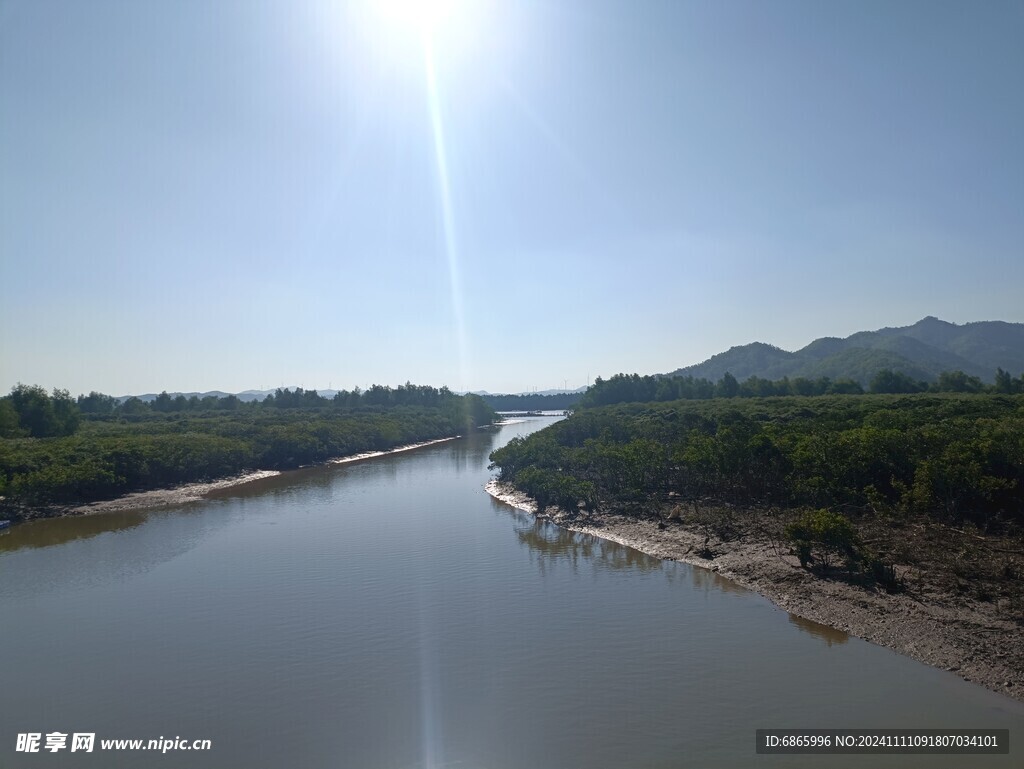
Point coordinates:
[(110, 454), (951, 457), (30, 411), (633, 388), (883, 490)]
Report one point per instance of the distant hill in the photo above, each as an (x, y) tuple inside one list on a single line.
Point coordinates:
[(259, 395), (921, 351), (245, 395), (148, 397), (582, 389), (556, 401)]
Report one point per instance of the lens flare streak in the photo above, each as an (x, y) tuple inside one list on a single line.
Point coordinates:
[(447, 215)]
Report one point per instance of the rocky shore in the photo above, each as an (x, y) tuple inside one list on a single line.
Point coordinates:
[(974, 639)]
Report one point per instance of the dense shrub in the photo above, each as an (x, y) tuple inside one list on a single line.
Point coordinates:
[(110, 456), (823, 536), (954, 457)]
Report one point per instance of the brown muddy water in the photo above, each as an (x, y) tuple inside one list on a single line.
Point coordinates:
[(390, 614)]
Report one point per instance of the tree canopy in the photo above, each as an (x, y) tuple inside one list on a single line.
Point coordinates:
[(49, 454)]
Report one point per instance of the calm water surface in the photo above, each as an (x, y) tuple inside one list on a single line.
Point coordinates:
[(389, 614)]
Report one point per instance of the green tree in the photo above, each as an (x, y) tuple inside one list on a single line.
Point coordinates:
[(9, 420), (1004, 382), (229, 403), (35, 411), (845, 386), (823, 535), (802, 386), (727, 386), (65, 411), (97, 403), (162, 403), (889, 381), (958, 382), (133, 406)]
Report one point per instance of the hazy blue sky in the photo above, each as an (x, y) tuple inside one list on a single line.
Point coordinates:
[(229, 195)]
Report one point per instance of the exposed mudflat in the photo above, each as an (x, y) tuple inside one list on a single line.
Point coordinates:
[(972, 638), (191, 492), (396, 450)]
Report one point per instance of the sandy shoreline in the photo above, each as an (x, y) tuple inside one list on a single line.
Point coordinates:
[(193, 492), (189, 492), (973, 642), (396, 450)]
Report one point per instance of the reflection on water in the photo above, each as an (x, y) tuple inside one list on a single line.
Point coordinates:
[(389, 614), (709, 581), (85, 551), (56, 531), (473, 451), (550, 543), (829, 635)]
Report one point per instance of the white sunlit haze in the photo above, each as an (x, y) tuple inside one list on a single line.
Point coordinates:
[(492, 196)]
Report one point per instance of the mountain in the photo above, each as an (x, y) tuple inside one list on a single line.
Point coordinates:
[(245, 395), (921, 351), (152, 396), (259, 395), (582, 389)]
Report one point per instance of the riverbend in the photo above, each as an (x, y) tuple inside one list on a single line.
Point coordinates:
[(391, 614)]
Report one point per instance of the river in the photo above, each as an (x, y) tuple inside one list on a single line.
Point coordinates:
[(390, 614)]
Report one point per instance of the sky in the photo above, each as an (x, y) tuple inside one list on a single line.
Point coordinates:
[(493, 196)]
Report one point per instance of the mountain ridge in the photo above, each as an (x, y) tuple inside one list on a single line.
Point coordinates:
[(247, 396), (922, 351)]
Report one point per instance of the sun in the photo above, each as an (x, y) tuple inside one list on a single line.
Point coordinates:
[(408, 37), (424, 18)]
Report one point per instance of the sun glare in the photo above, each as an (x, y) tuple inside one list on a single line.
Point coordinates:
[(434, 41), (422, 17), (456, 31)]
